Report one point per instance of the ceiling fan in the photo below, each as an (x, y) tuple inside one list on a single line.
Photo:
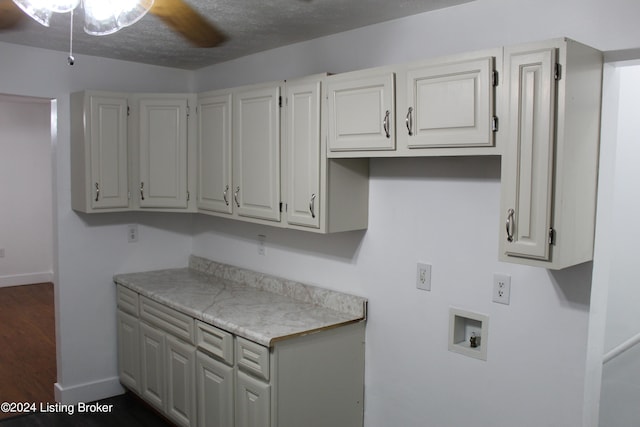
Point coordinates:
[(177, 14)]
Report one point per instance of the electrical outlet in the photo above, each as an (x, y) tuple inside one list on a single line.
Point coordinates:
[(132, 233), (501, 288), (262, 250), (423, 276)]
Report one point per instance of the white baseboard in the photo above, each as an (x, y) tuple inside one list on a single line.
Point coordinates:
[(88, 392), (26, 279)]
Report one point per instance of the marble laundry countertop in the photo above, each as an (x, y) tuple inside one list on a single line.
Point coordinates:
[(255, 306)]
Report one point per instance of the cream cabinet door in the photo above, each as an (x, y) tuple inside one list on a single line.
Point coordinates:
[(528, 159), (449, 105), (361, 112), (253, 402), (107, 123), (303, 153), (129, 351), (256, 152), (215, 392), (163, 152), (152, 367), (214, 153), (181, 384)]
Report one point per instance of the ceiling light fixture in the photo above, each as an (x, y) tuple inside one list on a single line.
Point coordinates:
[(100, 17)]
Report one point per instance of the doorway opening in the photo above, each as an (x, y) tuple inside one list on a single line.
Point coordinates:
[(27, 250)]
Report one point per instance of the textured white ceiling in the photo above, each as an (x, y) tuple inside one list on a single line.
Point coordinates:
[(250, 25)]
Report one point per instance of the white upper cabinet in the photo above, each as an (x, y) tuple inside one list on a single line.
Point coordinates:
[(162, 138), (214, 152), (132, 151), (440, 107), (256, 152), (99, 166), (552, 94), (303, 153), (361, 109), (449, 105), (321, 195)]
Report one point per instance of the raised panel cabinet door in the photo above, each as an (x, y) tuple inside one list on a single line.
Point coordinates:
[(303, 154), (108, 141), (129, 351), (449, 105), (215, 392), (163, 153), (152, 366), (214, 153), (181, 384), (253, 402), (528, 159), (361, 113), (256, 153)]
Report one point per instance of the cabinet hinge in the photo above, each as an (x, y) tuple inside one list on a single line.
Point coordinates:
[(283, 207), (494, 123), (557, 73), (188, 195), (128, 111), (495, 78), (188, 110), (128, 195), (552, 236), (280, 101)]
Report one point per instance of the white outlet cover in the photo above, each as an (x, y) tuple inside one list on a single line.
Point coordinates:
[(423, 276), (501, 288)]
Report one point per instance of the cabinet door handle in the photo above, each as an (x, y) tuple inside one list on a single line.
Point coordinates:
[(224, 195), (409, 121), (510, 224), (312, 206), (385, 124), (142, 191), (97, 191), (235, 196)]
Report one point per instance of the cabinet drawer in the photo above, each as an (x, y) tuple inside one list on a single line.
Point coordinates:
[(252, 358), (127, 300), (178, 324), (215, 341)]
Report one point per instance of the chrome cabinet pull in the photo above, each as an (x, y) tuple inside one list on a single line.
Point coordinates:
[(409, 121), (142, 191), (235, 196), (510, 224), (224, 195), (97, 191), (385, 124), (312, 206)]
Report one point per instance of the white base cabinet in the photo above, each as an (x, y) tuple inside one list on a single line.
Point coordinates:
[(197, 374)]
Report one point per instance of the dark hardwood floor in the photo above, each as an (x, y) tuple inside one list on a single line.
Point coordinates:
[(27, 344), (126, 411), (28, 368)]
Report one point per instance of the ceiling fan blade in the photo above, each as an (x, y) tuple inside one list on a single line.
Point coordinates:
[(10, 15), (186, 21)]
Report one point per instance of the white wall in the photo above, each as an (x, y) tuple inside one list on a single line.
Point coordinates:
[(621, 376), (445, 212), (26, 213), (90, 249)]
